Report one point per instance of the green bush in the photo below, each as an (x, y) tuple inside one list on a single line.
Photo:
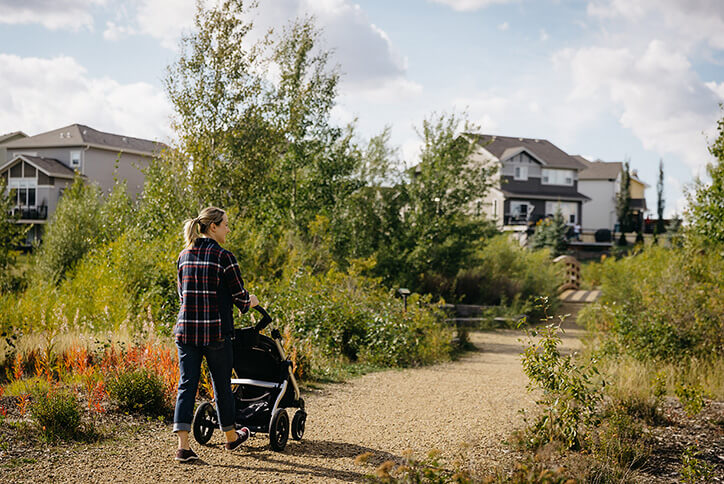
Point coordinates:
[(506, 273), (694, 470), (569, 396), (139, 391), (636, 313), (57, 413)]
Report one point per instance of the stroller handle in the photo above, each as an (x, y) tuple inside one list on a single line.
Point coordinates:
[(265, 318)]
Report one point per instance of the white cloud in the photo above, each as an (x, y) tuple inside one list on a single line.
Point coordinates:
[(52, 14), (165, 20), (39, 94), (689, 21), (469, 5), (504, 26), (655, 93), (114, 32), (544, 35), (363, 51)]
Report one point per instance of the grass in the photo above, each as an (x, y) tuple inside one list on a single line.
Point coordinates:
[(639, 379)]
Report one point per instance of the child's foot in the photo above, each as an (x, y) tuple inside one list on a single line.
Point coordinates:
[(186, 455)]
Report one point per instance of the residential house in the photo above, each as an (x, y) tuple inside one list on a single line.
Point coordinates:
[(535, 179), (601, 181), (38, 168), (8, 138)]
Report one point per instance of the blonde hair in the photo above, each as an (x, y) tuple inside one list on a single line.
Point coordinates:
[(193, 228)]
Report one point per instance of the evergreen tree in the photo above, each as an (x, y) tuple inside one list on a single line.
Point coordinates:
[(551, 233), (623, 204), (660, 229)]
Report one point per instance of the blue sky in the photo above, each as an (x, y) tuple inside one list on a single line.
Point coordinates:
[(608, 79)]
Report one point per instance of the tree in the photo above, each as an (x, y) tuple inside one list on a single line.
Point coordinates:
[(441, 228), (660, 202), (221, 117), (551, 233), (74, 229), (623, 203), (705, 211), (11, 233)]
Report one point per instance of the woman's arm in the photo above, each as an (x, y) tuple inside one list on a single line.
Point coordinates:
[(232, 276)]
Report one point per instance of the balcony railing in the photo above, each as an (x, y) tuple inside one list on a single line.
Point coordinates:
[(514, 219), (30, 213)]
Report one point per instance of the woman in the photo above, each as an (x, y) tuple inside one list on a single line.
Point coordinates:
[(209, 284)]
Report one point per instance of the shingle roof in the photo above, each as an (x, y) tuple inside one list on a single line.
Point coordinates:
[(546, 151), (78, 134), (600, 170), (50, 166), (7, 136)]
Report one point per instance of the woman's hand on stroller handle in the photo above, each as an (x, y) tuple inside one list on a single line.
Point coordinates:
[(265, 318)]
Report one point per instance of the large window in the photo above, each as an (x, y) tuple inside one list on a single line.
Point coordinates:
[(569, 210), (557, 177)]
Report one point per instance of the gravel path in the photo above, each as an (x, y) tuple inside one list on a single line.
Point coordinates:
[(464, 409)]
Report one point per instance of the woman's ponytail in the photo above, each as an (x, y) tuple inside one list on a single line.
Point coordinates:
[(195, 227)]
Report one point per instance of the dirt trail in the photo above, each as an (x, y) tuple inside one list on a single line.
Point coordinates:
[(464, 408)]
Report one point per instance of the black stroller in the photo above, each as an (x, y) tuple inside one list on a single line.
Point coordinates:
[(264, 388)]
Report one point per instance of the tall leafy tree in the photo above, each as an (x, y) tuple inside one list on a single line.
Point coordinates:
[(314, 171), (442, 230), (706, 200), (623, 203), (220, 117)]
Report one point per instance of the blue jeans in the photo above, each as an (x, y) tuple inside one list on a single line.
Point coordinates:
[(220, 358)]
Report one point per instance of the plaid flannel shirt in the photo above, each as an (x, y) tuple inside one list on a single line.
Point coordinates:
[(205, 272)]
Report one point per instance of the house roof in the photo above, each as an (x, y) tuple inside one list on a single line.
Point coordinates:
[(49, 166), (543, 150), (599, 170), (575, 196), (78, 134), (7, 137)]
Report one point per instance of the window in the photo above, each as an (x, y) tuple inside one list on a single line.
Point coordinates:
[(557, 177), (75, 159), (520, 210), (521, 173), (569, 210)]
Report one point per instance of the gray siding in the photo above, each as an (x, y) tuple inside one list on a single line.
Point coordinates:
[(99, 165)]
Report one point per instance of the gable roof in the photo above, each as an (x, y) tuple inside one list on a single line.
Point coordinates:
[(599, 170), (8, 137), (542, 149), (49, 166), (78, 134)]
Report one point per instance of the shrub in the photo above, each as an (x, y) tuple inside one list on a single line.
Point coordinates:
[(636, 313), (691, 397), (694, 470), (569, 394), (139, 391), (57, 413)]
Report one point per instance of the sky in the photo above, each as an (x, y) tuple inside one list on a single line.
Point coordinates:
[(615, 80)]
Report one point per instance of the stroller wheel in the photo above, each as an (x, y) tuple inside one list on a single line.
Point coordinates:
[(204, 423), (298, 423), (279, 430)]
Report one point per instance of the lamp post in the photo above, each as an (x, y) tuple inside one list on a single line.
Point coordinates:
[(404, 293)]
